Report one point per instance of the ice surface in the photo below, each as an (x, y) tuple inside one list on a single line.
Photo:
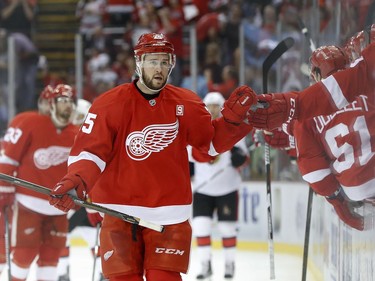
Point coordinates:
[(250, 266)]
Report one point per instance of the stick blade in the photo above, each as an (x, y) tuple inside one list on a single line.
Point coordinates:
[(275, 54)]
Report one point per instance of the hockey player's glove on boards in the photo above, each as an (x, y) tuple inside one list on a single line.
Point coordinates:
[(345, 209), (278, 109), (70, 185), (238, 104), (7, 194)]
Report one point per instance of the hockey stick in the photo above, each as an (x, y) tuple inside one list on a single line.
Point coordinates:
[(210, 179), (82, 203), (307, 234), (7, 242), (96, 251), (270, 60), (305, 32)]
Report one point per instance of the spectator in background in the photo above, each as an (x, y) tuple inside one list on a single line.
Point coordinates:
[(27, 58), (215, 185), (17, 15), (172, 20), (209, 28), (201, 84), (211, 66), (100, 41), (119, 12), (124, 66), (145, 20), (231, 32), (90, 13), (230, 81), (3, 58)]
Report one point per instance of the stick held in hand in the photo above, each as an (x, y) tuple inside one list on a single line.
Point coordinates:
[(82, 203)]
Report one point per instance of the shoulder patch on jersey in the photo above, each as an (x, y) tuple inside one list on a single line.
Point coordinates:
[(179, 110)]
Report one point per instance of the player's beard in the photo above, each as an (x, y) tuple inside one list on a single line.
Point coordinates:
[(64, 116), (149, 82)]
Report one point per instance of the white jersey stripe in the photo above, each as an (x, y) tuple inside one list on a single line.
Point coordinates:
[(164, 215), (317, 175), (7, 160), (84, 155), (335, 91), (360, 192)]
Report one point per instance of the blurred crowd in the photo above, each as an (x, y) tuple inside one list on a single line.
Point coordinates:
[(109, 29)]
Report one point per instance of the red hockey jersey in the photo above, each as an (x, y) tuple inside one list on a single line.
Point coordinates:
[(132, 152), (338, 150), (338, 90), (35, 151)]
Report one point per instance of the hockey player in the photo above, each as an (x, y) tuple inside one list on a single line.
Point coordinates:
[(355, 45), (6, 190), (215, 185), (131, 155), (335, 151), (37, 151), (82, 220), (332, 148), (322, 98), (328, 146), (43, 100)]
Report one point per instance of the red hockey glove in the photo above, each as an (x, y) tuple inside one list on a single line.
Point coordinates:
[(7, 194), (288, 128), (345, 209), (238, 104), (61, 195), (279, 109), (94, 217), (277, 138)]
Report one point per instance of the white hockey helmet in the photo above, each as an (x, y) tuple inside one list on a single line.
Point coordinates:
[(214, 98), (82, 109)]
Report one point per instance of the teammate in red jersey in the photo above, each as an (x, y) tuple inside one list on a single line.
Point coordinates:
[(36, 150), (323, 98), (6, 190), (131, 155), (335, 151), (81, 221)]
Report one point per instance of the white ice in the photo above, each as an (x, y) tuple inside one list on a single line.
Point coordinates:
[(250, 266)]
